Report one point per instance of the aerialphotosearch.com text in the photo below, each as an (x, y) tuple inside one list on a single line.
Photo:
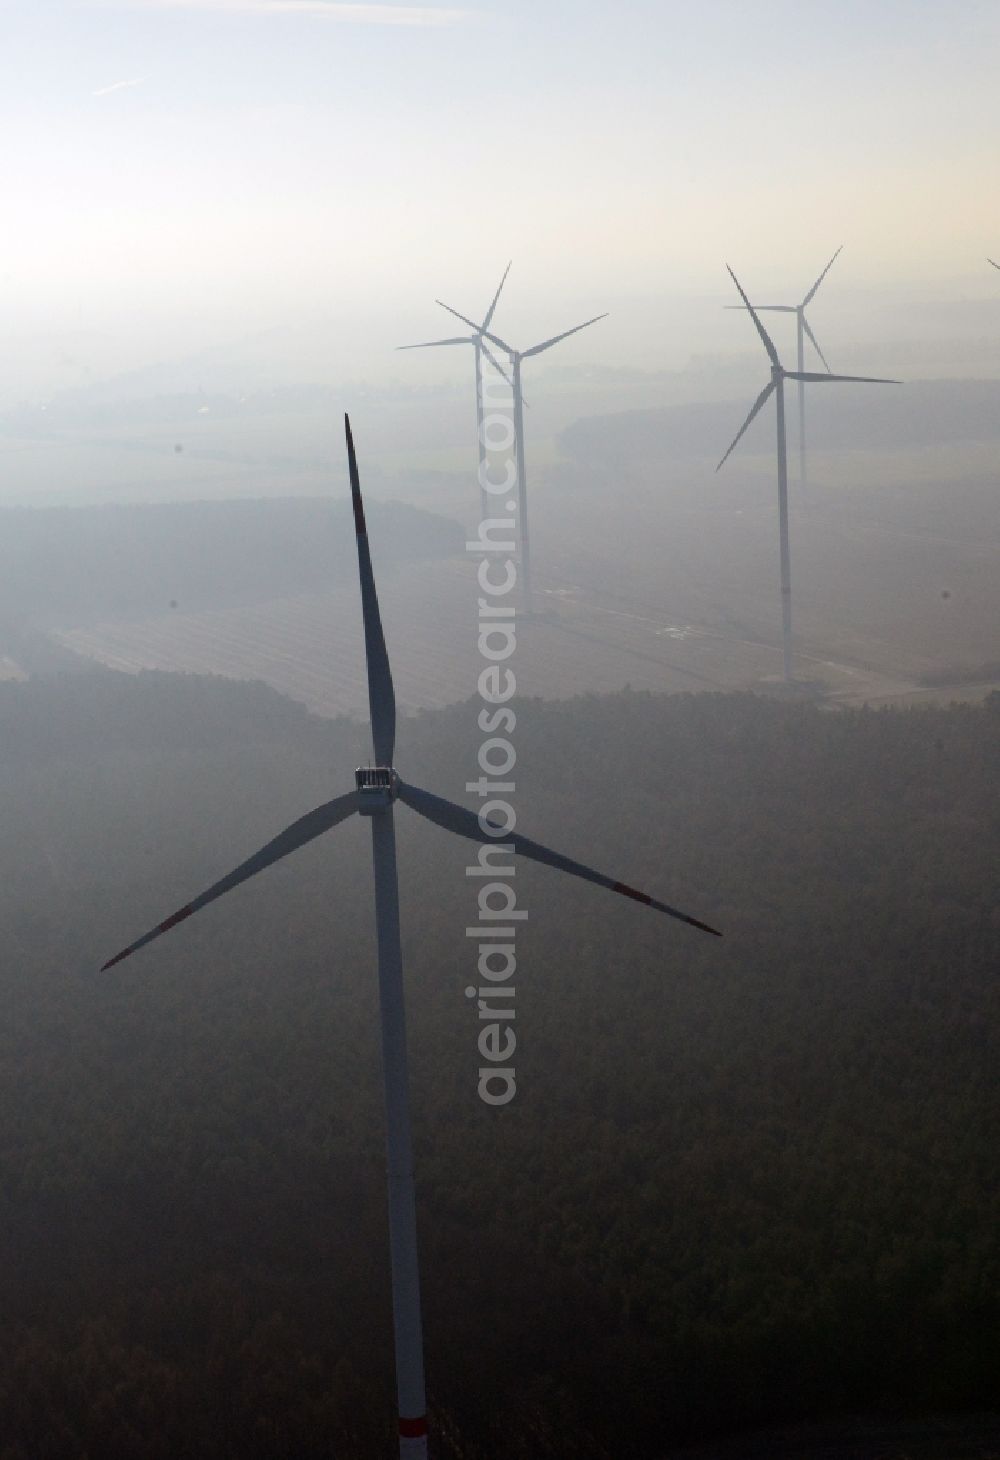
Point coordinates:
[(492, 874)]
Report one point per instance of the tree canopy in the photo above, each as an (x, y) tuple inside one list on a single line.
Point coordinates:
[(742, 1182)]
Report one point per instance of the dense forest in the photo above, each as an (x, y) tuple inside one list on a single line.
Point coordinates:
[(743, 1182)]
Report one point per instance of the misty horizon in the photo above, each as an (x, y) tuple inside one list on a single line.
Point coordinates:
[(562, 818)]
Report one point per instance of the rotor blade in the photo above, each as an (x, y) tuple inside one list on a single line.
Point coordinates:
[(817, 379), (993, 262), (429, 344), (547, 344), (467, 823), (822, 276), (381, 698), (815, 341), (483, 334), (765, 337), (758, 403), (312, 825), (765, 308), (489, 313), (470, 322)]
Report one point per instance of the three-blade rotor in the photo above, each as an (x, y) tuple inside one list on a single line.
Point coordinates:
[(797, 309), (535, 349), (446, 814), (476, 338), (443, 813), (778, 371)]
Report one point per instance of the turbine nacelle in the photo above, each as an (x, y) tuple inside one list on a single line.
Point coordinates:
[(377, 787)]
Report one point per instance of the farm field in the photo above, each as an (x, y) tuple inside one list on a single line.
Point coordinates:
[(309, 647), (657, 574)]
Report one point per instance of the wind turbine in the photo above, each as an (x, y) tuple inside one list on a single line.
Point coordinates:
[(481, 349), (377, 788), (801, 329), (777, 385), (515, 357), (993, 262)]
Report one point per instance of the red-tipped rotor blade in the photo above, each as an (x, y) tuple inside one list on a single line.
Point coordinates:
[(312, 825), (466, 823)]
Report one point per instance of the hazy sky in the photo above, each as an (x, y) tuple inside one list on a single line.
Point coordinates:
[(181, 170)]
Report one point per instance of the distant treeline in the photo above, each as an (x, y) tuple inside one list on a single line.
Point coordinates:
[(140, 398), (743, 1181), (974, 674), (927, 413)]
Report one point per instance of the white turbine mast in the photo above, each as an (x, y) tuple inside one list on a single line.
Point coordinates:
[(515, 357), (801, 330), (776, 385), (377, 788), (480, 348)]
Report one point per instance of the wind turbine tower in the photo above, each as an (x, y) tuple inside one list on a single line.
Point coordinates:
[(377, 789), (776, 386), (801, 330), (480, 349), (515, 357)]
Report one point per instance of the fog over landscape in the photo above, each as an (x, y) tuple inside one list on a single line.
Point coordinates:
[(895, 537), (737, 1197)]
